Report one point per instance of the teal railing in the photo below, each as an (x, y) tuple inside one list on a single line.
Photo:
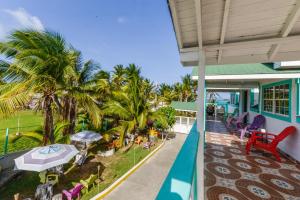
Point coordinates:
[(181, 182)]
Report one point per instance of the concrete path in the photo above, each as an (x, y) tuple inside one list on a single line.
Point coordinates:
[(145, 183)]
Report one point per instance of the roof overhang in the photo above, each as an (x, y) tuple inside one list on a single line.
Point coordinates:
[(232, 32), (256, 77), (184, 106), (231, 86)]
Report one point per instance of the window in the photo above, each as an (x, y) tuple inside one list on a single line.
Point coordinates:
[(191, 121), (254, 100), (184, 120), (282, 99), (276, 100)]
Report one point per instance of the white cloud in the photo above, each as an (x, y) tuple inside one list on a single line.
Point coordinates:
[(25, 19), (121, 20)]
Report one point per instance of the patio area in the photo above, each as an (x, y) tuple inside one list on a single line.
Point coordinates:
[(231, 174)]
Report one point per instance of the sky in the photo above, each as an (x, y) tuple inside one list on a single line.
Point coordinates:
[(110, 32)]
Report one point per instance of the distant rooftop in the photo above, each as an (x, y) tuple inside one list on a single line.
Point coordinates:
[(184, 106)]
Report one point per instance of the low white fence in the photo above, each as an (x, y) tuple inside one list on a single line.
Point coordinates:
[(183, 124)]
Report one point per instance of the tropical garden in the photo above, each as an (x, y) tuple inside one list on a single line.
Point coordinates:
[(43, 78)]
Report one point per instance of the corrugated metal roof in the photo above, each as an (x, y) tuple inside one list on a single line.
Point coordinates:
[(243, 69), (184, 106)]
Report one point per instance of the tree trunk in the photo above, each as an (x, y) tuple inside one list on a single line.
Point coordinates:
[(66, 114), (58, 104), (48, 121), (72, 116)]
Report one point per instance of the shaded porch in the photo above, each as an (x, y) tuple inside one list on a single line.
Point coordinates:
[(236, 32), (231, 174)]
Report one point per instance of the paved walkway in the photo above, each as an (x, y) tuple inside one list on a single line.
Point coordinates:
[(147, 180)]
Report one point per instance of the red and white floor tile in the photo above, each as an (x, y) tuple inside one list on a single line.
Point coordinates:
[(230, 174)]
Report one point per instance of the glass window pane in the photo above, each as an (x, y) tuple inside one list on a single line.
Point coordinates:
[(177, 120), (183, 120)]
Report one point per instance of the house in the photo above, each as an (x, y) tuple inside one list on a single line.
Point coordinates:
[(186, 112), (226, 33), (185, 116), (268, 89)]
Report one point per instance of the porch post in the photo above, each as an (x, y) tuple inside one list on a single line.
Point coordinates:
[(241, 102), (201, 125)]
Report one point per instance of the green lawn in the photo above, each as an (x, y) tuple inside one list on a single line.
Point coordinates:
[(111, 169), (28, 121), (117, 168)]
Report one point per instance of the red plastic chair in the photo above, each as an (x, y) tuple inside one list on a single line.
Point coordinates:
[(274, 140), (74, 192)]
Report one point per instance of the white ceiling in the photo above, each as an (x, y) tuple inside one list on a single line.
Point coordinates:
[(237, 31)]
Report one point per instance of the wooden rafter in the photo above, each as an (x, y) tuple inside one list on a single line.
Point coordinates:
[(172, 5), (252, 43), (199, 22), (286, 29), (224, 27)]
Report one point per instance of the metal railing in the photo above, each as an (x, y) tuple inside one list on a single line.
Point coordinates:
[(181, 182), (183, 124)]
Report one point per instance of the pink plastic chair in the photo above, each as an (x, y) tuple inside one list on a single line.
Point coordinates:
[(236, 121), (74, 192)]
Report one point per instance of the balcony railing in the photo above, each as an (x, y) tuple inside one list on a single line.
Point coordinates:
[(181, 182)]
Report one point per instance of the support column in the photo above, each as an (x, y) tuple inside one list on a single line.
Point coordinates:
[(241, 102), (201, 125)]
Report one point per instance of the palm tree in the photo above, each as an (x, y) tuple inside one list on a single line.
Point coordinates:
[(85, 88), (39, 61), (178, 91), (132, 104), (118, 77), (166, 93), (148, 88), (186, 87)]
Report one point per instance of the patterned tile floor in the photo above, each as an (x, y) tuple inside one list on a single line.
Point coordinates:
[(230, 174)]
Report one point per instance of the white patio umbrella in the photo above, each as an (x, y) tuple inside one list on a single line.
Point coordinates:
[(86, 136), (42, 158)]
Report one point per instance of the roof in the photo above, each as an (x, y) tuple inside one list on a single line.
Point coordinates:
[(184, 106), (232, 32), (243, 69)]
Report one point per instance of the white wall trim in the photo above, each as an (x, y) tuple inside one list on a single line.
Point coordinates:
[(250, 76)]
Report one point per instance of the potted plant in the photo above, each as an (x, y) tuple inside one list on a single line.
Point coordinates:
[(210, 109), (110, 149), (153, 134)]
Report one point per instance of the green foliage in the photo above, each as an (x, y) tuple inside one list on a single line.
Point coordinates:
[(130, 102), (121, 163), (43, 69), (169, 120), (180, 91)]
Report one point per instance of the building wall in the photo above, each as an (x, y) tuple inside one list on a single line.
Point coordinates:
[(183, 124), (291, 145)]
